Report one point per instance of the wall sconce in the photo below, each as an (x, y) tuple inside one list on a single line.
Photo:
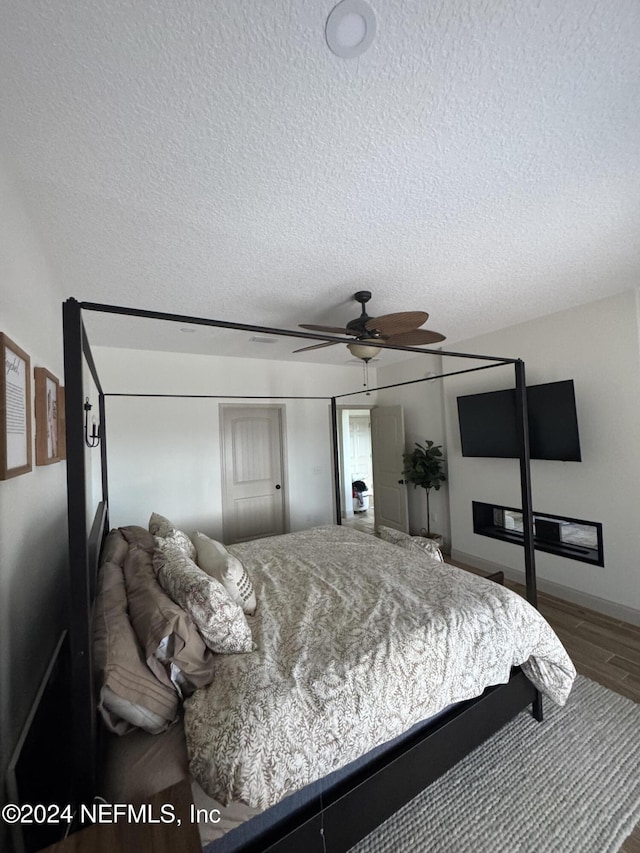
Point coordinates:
[(93, 439)]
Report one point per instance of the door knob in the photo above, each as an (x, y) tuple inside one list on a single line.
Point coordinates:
[(278, 486)]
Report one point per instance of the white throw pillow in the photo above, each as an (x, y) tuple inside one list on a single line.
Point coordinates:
[(214, 559)]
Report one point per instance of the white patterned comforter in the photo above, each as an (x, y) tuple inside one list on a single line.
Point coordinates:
[(358, 640)]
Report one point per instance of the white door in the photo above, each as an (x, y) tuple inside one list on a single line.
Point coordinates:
[(253, 486), (360, 445), (387, 445)]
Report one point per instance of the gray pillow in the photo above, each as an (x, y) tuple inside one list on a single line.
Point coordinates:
[(114, 549), (172, 645), (130, 694)]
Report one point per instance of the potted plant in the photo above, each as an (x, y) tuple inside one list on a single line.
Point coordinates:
[(424, 467)]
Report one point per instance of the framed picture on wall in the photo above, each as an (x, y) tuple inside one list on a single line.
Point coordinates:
[(15, 410), (47, 402)]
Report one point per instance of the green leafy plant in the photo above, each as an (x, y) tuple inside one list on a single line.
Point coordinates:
[(424, 467)]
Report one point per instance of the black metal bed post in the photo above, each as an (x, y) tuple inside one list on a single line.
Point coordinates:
[(336, 460), (103, 452), (522, 422), (84, 719)]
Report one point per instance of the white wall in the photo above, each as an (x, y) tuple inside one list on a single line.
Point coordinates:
[(596, 345), (33, 509), (423, 420), (164, 453)]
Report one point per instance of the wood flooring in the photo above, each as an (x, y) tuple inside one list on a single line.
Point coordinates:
[(603, 649)]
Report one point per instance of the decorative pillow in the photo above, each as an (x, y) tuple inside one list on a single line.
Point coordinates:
[(172, 646), (114, 549), (420, 543), (162, 527), (130, 694), (219, 619), (397, 537), (216, 561), (423, 543)]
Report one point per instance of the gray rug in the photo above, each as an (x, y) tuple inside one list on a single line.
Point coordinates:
[(569, 785)]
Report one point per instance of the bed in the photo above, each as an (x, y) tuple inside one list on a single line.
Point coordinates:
[(355, 641), (345, 804)]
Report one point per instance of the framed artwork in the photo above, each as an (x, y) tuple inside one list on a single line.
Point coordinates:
[(47, 403), (15, 410)]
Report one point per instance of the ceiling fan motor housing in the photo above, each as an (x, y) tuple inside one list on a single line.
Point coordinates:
[(359, 324)]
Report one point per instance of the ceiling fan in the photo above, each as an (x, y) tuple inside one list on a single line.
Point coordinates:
[(372, 333)]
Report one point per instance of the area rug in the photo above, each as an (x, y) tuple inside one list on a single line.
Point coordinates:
[(570, 784)]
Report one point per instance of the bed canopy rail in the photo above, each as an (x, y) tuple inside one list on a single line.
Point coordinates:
[(268, 330), (85, 538)]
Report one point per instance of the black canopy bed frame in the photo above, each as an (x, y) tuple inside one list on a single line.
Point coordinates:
[(350, 809)]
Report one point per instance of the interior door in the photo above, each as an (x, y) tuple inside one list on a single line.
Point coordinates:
[(360, 446), (387, 445), (253, 487)]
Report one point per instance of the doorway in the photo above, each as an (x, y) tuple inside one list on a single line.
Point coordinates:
[(356, 469), (253, 477), (371, 443)]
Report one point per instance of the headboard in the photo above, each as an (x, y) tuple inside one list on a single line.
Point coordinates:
[(98, 531)]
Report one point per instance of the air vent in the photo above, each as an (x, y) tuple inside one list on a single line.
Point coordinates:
[(256, 340)]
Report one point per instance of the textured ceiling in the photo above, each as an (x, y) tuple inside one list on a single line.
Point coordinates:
[(480, 161)]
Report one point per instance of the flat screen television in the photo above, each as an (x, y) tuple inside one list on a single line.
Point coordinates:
[(488, 423)]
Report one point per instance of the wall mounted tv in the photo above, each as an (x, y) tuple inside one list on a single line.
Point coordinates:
[(488, 423)]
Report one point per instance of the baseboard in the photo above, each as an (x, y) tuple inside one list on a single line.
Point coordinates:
[(593, 602)]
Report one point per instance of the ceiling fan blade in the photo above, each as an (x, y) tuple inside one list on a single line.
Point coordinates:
[(333, 330), (317, 346), (393, 324), (415, 338)]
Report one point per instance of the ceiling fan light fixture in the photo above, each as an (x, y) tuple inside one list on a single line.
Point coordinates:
[(363, 351)]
